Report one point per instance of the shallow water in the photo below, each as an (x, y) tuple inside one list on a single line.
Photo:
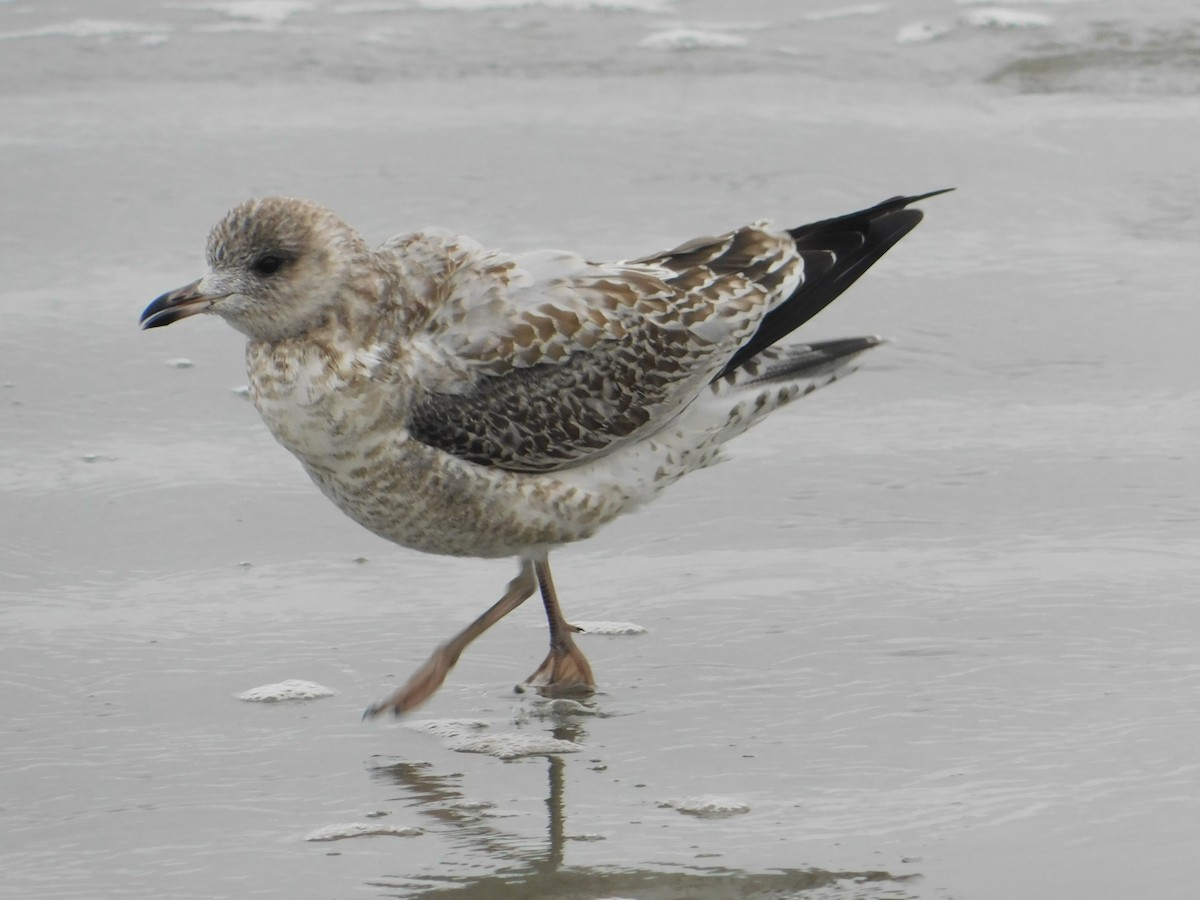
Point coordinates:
[(930, 634)]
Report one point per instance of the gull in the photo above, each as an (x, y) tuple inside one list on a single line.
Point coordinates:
[(468, 402)]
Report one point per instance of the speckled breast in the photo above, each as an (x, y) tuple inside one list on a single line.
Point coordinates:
[(427, 500)]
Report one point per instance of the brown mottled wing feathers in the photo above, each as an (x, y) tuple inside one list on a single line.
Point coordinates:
[(536, 418), (572, 366), (535, 369)]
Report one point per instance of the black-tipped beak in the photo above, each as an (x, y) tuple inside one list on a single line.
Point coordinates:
[(175, 305)]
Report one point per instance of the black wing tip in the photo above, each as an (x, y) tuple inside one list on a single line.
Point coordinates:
[(839, 250), (900, 201), (905, 201), (864, 217)]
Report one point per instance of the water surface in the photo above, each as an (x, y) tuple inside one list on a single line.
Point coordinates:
[(930, 634)]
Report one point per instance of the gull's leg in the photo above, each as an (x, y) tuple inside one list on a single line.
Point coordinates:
[(430, 676), (566, 669)]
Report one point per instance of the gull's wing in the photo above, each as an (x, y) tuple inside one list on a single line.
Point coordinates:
[(544, 361)]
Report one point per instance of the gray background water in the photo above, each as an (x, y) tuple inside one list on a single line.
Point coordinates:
[(932, 633)]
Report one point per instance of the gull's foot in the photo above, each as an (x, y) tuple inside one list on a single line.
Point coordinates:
[(424, 682), (564, 672)]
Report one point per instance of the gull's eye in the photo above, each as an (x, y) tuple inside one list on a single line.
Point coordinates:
[(267, 265)]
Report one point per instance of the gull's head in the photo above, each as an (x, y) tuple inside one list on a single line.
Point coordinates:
[(276, 267)]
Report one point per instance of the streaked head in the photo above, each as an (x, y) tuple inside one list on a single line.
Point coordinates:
[(276, 266)]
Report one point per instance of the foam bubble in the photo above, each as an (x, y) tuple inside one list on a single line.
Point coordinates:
[(691, 39), (922, 32), (447, 727), (263, 12), (292, 689), (610, 628), (87, 28), (512, 745), (845, 12), (473, 805), (996, 17), (562, 707), (467, 736), (707, 807), (360, 829)]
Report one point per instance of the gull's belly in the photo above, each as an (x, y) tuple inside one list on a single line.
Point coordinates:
[(420, 497), (350, 436)]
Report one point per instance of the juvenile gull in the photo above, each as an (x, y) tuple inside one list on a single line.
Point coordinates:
[(469, 402)]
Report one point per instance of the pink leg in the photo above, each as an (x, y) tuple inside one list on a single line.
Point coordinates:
[(565, 670), (430, 676)]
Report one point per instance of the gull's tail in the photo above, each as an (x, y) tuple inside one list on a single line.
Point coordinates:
[(727, 407), (778, 375), (795, 362)]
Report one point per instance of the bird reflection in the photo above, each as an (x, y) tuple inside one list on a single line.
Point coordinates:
[(441, 799), (522, 872)]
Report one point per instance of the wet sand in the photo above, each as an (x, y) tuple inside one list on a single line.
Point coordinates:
[(931, 633)]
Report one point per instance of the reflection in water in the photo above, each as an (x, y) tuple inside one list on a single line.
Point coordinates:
[(537, 873)]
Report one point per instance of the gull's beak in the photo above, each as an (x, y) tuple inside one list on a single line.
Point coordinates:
[(175, 305)]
